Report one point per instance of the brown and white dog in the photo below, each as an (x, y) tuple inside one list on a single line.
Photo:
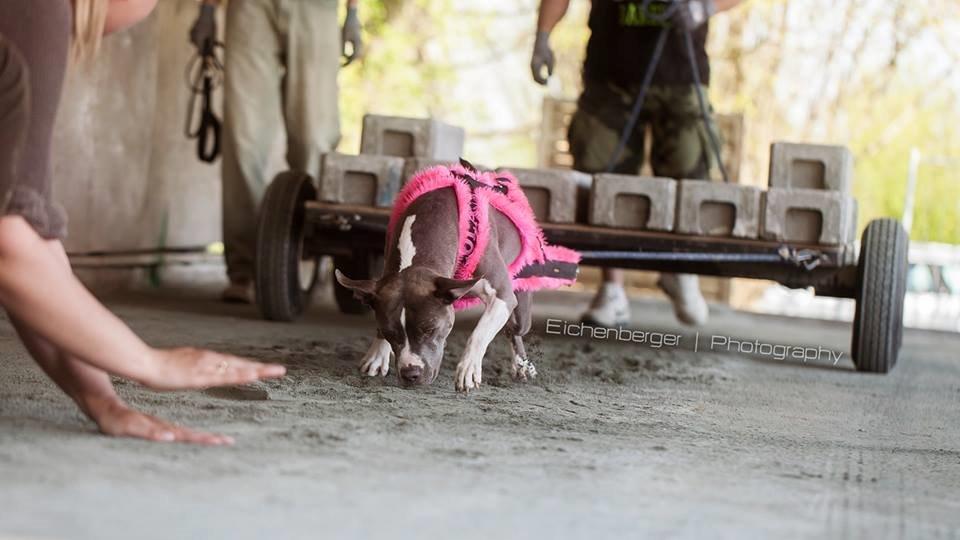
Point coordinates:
[(457, 235)]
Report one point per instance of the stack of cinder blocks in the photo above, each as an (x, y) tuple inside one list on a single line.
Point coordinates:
[(809, 199), (391, 150), (695, 207)]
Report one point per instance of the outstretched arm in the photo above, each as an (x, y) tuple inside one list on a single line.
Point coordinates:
[(90, 388), (42, 293)]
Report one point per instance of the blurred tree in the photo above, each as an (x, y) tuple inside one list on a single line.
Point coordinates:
[(876, 75)]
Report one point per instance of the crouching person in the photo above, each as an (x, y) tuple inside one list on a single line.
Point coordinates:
[(73, 338)]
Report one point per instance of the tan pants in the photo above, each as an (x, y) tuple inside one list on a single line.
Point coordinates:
[(281, 62)]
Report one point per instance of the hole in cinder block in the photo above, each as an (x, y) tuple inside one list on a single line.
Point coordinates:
[(539, 200), (631, 210), (359, 188), (397, 143), (808, 174), (803, 225), (717, 218), (582, 211)]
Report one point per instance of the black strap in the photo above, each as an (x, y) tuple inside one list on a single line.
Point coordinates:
[(204, 75), (553, 269), (209, 126)]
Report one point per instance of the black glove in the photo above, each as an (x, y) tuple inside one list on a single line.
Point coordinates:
[(203, 34), (542, 58), (351, 35), (692, 14)]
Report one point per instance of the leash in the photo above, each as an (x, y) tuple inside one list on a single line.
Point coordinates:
[(204, 75), (652, 65)]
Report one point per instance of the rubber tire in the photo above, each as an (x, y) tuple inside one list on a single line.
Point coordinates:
[(280, 237), (362, 265), (881, 288)]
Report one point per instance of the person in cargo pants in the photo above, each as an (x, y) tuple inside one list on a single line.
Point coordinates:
[(623, 37), (281, 62)]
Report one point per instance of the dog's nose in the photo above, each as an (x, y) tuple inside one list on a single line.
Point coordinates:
[(411, 374)]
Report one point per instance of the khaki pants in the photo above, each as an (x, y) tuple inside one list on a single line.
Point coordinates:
[(281, 63)]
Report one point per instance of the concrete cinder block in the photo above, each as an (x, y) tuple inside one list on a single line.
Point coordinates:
[(364, 179), (415, 165), (809, 216), (554, 194), (411, 137), (633, 202), (714, 209), (811, 166)]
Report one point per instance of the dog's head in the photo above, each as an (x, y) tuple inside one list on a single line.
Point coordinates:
[(414, 310)]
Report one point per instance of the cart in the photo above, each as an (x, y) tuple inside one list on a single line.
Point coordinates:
[(295, 229)]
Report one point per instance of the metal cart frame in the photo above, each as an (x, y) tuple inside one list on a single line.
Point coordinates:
[(295, 228)]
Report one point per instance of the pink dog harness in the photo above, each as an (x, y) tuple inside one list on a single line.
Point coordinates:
[(537, 266)]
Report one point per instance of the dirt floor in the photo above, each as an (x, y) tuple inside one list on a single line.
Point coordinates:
[(613, 440)]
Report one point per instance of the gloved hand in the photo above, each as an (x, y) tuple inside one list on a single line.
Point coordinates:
[(691, 14), (204, 30), (542, 58), (351, 35)]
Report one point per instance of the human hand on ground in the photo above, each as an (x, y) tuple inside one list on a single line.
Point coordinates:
[(116, 419), (189, 368)]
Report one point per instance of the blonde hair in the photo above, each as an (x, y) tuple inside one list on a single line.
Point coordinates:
[(89, 19)]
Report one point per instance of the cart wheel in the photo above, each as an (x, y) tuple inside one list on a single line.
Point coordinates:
[(362, 265), (881, 287), (284, 278)]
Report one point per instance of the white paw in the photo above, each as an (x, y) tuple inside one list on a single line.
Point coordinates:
[(523, 369), (468, 375), (377, 360)]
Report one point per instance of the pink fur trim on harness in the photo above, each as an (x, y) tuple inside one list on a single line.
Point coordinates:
[(500, 190)]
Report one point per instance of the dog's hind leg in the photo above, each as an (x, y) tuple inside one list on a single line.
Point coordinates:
[(521, 368)]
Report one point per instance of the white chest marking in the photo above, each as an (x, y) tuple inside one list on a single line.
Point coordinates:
[(405, 244), (407, 358)]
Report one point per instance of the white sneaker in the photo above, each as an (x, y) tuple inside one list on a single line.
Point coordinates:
[(688, 302), (610, 307)]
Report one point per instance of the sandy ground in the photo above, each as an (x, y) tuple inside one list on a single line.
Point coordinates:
[(613, 440)]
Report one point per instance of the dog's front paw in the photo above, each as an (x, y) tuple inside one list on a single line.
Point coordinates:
[(468, 375), (377, 360), (522, 369)]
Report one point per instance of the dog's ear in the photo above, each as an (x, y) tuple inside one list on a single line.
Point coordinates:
[(364, 290), (451, 290)]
